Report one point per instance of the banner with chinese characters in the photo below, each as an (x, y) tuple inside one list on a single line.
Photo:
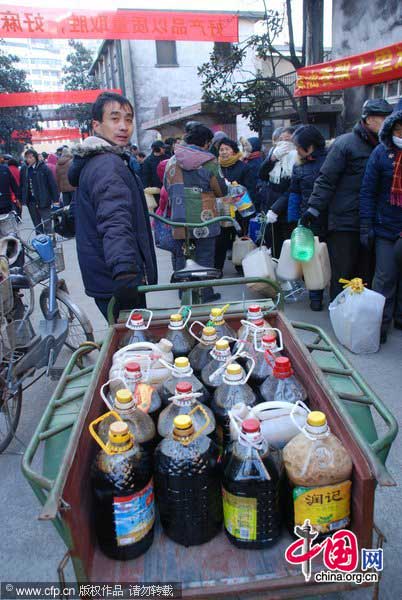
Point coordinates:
[(48, 98), (48, 135), (371, 67), (30, 22)]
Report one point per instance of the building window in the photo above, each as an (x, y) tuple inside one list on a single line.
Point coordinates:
[(223, 50), (392, 89), (378, 91), (166, 55)]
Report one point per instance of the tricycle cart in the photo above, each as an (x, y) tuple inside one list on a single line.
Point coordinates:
[(215, 569)]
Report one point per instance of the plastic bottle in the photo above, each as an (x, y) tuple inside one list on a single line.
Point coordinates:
[(317, 271), (282, 385), (264, 358), (188, 484), (241, 247), (219, 355), (251, 487), (241, 199), (302, 244), (182, 371), (177, 333), (199, 355), (254, 318), (123, 495), (319, 471), (139, 330), (233, 390), (254, 228), (148, 355), (141, 425), (288, 269), (259, 263), (185, 402), (217, 320)]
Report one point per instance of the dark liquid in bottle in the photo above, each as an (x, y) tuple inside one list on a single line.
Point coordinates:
[(182, 342)]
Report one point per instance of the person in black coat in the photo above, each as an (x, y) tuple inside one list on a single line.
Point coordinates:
[(114, 239), (38, 191), (337, 190), (310, 146), (7, 186), (149, 175)]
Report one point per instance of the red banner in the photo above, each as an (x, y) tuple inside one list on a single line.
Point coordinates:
[(43, 98), (29, 22), (375, 66), (48, 135)]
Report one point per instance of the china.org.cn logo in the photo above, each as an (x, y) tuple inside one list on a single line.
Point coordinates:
[(340, 554)]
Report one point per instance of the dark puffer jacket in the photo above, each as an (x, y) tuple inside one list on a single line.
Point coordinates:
[(113, 232), (149, 173), (376, 212), (7, 185), (337, 188), (302, 183), (239, 172), (44, 185)]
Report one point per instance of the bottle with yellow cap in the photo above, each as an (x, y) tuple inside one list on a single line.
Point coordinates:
[(219, 355), (139, 422), (182, 371), (234, 389), (184, 402), (217, 320), (199, 355), (177, 333), (188, 484), (319, 470), (123, 494)]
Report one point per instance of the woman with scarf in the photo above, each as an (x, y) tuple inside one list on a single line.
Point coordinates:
[(310, 146), (253, 158), (381, 217)]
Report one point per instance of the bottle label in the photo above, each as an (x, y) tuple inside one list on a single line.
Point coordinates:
[(240, 516), (134, 515), (327, 507), (143, 396)]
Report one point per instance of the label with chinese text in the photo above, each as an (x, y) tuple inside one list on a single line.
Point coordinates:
[(240, 516), (327, 507), (134, 515)]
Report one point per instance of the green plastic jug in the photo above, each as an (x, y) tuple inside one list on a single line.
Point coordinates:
[(302, 244)]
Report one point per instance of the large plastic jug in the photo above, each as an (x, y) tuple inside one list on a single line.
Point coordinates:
[(217, 320), (288, 268), (219, 357), (182, 371), (282, 385), (254, 320), (199, 355), (177, 333), (317, 271), (138, 328), (264, 356), (241, 247), (148, 355), (319, 471), (302, 243), (258, 263)]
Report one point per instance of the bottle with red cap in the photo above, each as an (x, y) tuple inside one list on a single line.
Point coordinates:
[(252, 329), (182, 371), (251, 487), (264, 357), (145, 395), (138, 329), (282, 385), (185, 402)]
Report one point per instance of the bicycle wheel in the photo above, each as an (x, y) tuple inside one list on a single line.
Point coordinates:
[(80, 328), (10, 411)]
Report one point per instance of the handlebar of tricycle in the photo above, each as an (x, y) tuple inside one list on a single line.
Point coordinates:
[(220, 219)]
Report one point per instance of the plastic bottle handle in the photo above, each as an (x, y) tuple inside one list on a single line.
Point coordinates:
[(188, 316), (259, 348), (136, 346), (190, 330), (296, 424), (96, 436), (175, 370), (203, 428), (140, 311), (102, 393), (144, 373), (251, 369), (185, 396), (262, 410)]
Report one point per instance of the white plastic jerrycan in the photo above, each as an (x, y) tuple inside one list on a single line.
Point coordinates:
[(148, 356), (317, 271), (288, 268), (258, 263), (241, 247)]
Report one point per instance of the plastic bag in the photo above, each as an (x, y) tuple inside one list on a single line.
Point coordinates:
[(356, 315)]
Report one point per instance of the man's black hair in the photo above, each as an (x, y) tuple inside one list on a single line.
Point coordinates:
[(308, 135), (199, 135), (289, 129), (104, 98), (45, 155), (229, 142), (142, 154), (12, 162), (33, 152)]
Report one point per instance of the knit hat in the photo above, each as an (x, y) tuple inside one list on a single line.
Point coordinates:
[(218, 136)]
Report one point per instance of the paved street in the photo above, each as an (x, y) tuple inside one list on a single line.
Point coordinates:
[(30, 550)]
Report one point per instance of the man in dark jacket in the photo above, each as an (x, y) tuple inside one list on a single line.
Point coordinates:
[(114, 239), (149, 169), (38, 191), (337, 190), (7, 186)]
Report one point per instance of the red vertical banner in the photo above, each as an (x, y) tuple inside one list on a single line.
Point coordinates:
[(63, 23)]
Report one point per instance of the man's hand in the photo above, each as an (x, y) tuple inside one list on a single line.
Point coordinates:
[(271, 217), (309, 217), (367, 236), (126, 291)]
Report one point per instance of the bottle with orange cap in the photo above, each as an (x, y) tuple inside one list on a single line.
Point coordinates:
[(264, 357), (140, 423), (182, 371), (319, 472), (188, 484), (138, 329), (199, 355), (184, 402), (234, 389), (123, 493), (177, 333), (219, 356), (254, 321), (282, 385), (251, 487)]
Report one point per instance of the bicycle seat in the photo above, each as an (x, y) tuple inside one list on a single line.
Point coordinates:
[(192, 271)]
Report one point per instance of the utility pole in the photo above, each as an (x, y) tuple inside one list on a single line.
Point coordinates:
[(313, 31)]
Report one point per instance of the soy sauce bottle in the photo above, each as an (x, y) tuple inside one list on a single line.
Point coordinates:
[(251, 488), (177, 333)]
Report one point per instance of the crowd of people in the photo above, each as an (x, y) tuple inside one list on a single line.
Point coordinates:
[(348, 191)]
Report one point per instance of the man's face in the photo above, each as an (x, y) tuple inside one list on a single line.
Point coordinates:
[(30, 159), (286, 136), (374, 122), (397, 130), (116, 125)]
